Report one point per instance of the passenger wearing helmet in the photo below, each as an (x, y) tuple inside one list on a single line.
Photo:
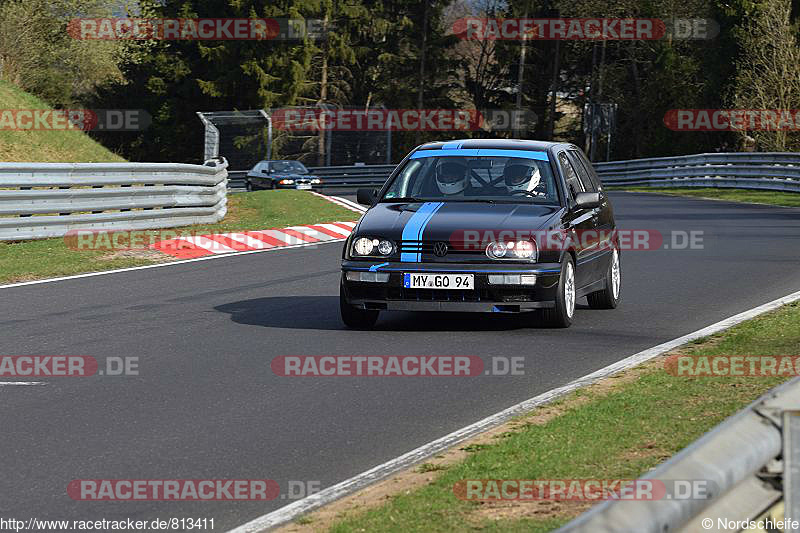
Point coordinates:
[(451, 177), (521, 177)]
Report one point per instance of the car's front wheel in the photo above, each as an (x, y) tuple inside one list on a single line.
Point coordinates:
[(353, 317), (608, 297), (560, 316)]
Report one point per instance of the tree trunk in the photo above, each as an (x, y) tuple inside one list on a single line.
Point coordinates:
[(323, 93), (551, 119), (423, 49), (520, 79)]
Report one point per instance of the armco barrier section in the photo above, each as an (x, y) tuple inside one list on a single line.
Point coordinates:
[(333, 177), (41, 200), (779, 171), (748, 463)]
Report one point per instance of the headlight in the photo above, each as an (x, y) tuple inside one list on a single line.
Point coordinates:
[(364, 246), (496, 250), (286, 182), (523, 249), (316, 181), (385, 247), (512, 250)]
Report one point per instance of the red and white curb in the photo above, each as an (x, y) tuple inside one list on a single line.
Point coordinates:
[(246, 241), (224, 243)]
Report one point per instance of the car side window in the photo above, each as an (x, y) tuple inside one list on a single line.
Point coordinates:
[(583, 173), (573, 183), (581, 159)]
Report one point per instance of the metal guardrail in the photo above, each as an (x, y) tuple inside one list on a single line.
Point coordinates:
[(332, 177), (41, 200), (748, 464), (353, 176), (778, 171), (747, 170), (236, 179)]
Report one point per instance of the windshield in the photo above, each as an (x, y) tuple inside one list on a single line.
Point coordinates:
[(295, 167), (499, 179)]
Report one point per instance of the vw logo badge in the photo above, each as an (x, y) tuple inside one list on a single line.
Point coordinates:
[(440, 249)]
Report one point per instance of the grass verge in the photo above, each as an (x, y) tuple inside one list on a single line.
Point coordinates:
[(787, 199), (54, 146), (30, 260), (617, 429)]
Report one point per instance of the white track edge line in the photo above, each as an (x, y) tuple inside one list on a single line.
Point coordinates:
[(338, 200), (294, 510), (166, 264), (351, 203)]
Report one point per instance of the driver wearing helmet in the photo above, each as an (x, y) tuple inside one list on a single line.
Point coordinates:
[(521, 177), (451, 177)]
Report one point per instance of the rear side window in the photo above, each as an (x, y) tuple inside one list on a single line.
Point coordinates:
[(581, 160), (573, 183)]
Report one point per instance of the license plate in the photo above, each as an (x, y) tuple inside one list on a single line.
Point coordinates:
[(303, 186), (438, 281)]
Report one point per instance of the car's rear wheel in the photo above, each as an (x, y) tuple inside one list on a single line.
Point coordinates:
[(248, 186), (561, 315), (608, 297), (353, 317)]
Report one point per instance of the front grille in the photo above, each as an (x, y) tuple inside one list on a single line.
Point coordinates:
[(370, 292), (432, 295), (427, 248)]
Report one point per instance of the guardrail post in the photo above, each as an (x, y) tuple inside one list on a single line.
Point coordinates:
[(791, 465)]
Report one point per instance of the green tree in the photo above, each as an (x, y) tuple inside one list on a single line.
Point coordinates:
[(38, 54)]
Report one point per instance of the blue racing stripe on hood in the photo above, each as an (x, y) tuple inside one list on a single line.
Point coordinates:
[(412, 231)]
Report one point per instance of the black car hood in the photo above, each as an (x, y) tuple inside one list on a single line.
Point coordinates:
[(388, 220)]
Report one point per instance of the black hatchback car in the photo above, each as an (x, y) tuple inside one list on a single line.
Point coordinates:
[(500, 226)]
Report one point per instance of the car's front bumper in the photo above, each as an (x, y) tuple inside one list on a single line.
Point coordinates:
[(484, 297)]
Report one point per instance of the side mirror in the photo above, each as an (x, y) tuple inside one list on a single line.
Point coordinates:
[(366, 196), (265, 171), (587, 200)]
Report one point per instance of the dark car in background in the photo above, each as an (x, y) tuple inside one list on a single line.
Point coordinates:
[(499, 226), (283, 174)]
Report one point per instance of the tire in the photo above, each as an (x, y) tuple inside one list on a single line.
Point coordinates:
[(561, 315), (355, 318), (608, 297), (248, 186)]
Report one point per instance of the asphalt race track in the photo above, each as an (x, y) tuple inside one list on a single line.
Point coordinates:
[(207, 405)]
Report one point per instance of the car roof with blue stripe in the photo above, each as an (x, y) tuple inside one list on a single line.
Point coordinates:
[(498, 144)]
